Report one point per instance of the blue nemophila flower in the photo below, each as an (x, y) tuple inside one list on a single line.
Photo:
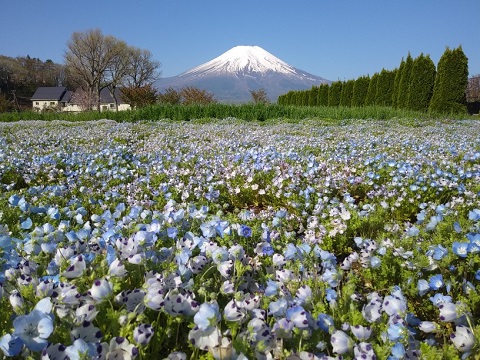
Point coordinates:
[(341, 342), (474, 215), (180, 302), (303, 295), (278, 308), (423, 287), (477, 275), (260, 335), (205, 339), (365, 351), (436, 282), (395, 304), (282, 328), (398, 351), (76, 268), (373, 309), (120, 348), (299, 317), (26, 224), (396, 332), (35, 328), (451, 311), (143, 333), (325, 322), (17, 302), (86, 312), (428, 326), (460, 249), (87, 332), (80, 349), (272, 288), (361, 332), (207, 316), (11, 345), (100, 290), (437, 252), (244, 231), (233, 312), (463, 338)]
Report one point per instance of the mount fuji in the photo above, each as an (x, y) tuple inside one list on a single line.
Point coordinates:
[(231, 76)]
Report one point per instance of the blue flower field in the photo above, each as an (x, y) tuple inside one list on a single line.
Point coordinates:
[(226, 239)]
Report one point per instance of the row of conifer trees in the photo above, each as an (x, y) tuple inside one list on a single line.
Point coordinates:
[(416, 84)]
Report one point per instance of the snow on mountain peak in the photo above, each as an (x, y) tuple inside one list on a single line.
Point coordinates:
[(242, 60)]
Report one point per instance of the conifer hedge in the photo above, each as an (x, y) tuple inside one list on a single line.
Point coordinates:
[(415, 85), (422, 79), (334, 93), (402, 99), (451, 82), (360, 89)]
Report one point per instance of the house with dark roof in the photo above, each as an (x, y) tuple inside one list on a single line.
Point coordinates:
[(58, 98), (51, 98)]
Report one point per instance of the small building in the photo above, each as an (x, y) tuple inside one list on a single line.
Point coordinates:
[(50, 98), (58, 98)]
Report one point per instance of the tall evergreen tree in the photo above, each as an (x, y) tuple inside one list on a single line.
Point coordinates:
[(347, 93), (372, 90), (421, 83), (312, 96), (383, 94), (322, 96), (451, 83), (334, 92), (396, 83), (402, 100), (360, 89), (305, 97)]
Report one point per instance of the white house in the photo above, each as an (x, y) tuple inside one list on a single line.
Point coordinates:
[(58, 98)]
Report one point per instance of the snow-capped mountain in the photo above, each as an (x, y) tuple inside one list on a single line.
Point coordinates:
[(232, 75)]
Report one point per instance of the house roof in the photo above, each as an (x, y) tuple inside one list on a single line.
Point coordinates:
[(60, 93), (49, 93), (106, 97)]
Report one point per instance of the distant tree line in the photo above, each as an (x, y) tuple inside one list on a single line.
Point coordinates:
[(93, 61), (20, 77), (416, 84)]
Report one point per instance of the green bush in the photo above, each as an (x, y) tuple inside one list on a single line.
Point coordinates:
[(421, 83), (451, 83)]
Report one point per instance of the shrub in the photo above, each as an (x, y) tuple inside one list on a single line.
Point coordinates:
[(421, 83), (450, 83)]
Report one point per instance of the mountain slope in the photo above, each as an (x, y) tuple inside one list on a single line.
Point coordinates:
[(232, 75)]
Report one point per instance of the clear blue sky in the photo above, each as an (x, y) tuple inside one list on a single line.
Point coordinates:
[(335, 39)]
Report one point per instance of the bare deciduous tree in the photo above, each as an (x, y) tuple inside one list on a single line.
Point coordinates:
[(143, 69), (473, 88), (259, 96), (170, 96), (97, 61), (193, 95)]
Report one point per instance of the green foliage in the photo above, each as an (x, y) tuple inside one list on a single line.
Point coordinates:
[(347, 93), (450, 83), (322, 96), (372, 90), (384, 89), (312, 96), (13, 177), (421, 83), (402, 100), (140, 96), (360, 89), (334, 93), (396, 84)]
